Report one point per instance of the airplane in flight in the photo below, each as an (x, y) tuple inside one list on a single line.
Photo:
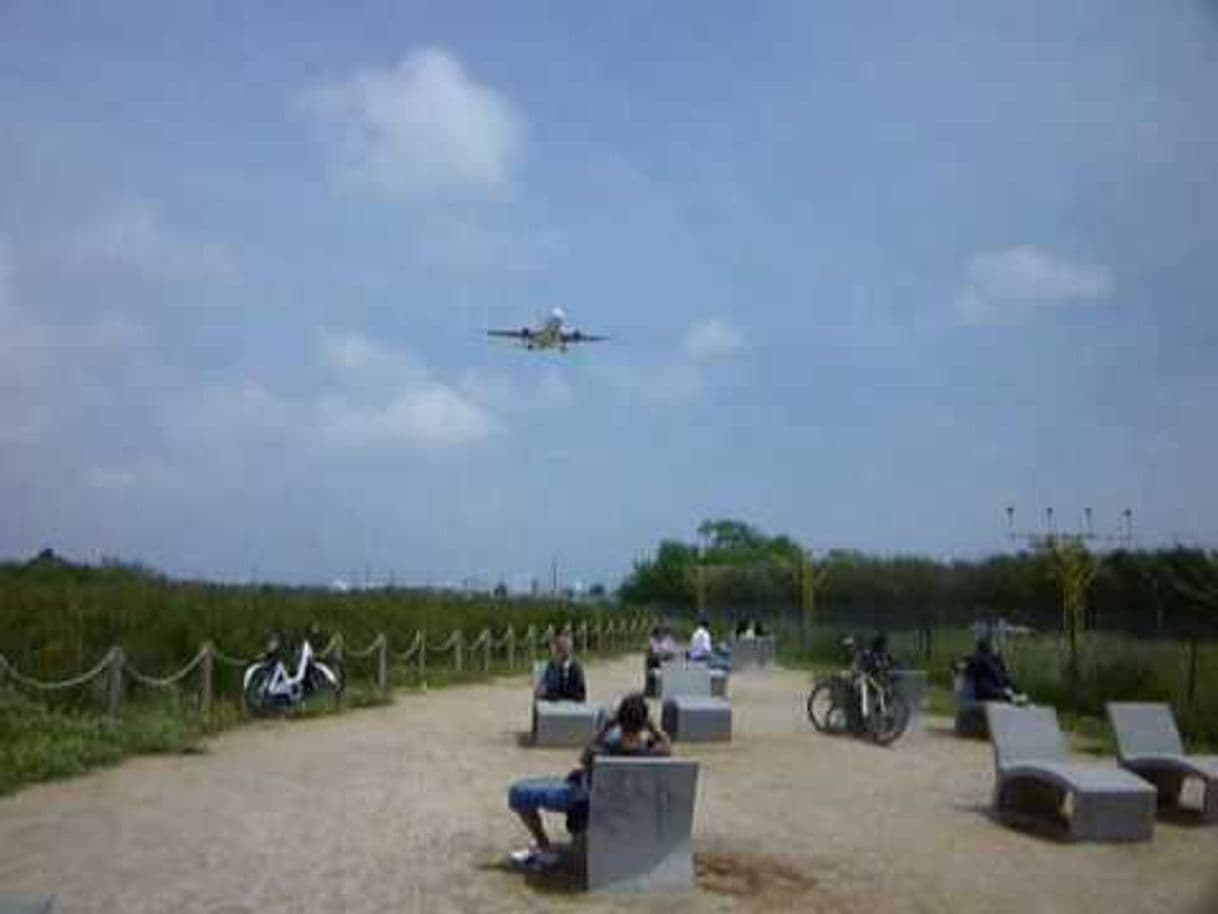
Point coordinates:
[(552, 334)]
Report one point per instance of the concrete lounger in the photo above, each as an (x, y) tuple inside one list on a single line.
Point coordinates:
[(1033, 774), (911, 685), (1149, 745), (640, 816), (970, 713)]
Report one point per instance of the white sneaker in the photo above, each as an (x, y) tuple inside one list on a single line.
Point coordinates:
[(535, 857)]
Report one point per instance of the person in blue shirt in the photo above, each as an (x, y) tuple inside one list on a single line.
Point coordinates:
[(563, 679), (629, 732)]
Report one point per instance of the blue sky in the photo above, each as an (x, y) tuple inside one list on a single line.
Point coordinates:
[(872, 272)]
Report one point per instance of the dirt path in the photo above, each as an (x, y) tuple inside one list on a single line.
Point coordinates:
[(402, 809)]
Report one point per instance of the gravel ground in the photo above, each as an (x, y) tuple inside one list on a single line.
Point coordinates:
[(403, 809)]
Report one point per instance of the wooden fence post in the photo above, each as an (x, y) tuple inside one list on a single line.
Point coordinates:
[(114, 692), (421, 634), (486, 650), (205, 685), (458, 651), (338, 661), (382, 666), (1191, 689), (530, 637), (510, 638)]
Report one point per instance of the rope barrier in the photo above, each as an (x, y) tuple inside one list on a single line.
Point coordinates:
[(366, 652), (168, 680), (18, 676), (231, 661)]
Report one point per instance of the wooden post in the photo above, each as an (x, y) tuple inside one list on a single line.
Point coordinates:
[(421, 634), (1190, 691), (530, 637), (486, 650), (458, 651), (510, 638), (382, 666), (338, 661), (114, 704), (205, 685), (583, 637), (600, 636)]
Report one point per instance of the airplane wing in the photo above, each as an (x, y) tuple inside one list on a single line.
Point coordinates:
[(524, 333), (577, 336)]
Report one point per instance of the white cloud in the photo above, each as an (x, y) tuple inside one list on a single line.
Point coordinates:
[(1005, 285), (386, 398), (429, 416), (684, 378), (133, 238), (420, 127), (711, 339)]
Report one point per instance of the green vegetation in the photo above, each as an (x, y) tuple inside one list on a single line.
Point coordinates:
[(742, 569), (1114, 668), (58, 619)]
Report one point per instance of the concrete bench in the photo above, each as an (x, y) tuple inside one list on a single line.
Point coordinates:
[(911, 685), (747, 652), (640, 817), (654, 685), (694, 719), (970, 713), (690, 711), (565, 723), (27, 904)]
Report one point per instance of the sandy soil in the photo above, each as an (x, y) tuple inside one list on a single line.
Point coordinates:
[(403, 809)]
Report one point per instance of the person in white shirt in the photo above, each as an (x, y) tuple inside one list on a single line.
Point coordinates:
[(700, 642)]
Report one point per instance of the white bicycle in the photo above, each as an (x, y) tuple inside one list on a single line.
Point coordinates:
[(268, 686)]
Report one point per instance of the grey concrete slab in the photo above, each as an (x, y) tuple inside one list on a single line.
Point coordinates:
[(640, 817), (689, 719), (565, 723), (27, 904), (685, 680)]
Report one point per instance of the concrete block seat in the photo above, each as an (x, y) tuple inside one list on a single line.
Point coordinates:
[(566, 723), (1033, 774), (1149, 745), (27, 904), (653, 684), (970, 712), (911, 685), (690, 711), (563, 723), (640, 817)]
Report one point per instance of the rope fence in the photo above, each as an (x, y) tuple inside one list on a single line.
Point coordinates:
[(517, 650)]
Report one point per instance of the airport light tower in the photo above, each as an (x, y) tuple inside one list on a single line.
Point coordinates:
[(1074, 567)]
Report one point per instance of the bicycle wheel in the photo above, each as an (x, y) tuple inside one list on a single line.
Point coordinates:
[(885, 724), (255, 690), (826, 714)]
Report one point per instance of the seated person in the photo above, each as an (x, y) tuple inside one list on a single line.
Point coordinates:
[(702, 650), (629, 732), (700, 642), (988, 673), (876, 661), (661, 647), (563, 679)]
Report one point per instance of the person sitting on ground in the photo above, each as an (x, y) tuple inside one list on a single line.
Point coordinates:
[(629, 732), (988, 672), (563, 679)]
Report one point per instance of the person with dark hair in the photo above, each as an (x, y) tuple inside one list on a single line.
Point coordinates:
[(876, 661), (630, 731), (988, 672), (563, 679)]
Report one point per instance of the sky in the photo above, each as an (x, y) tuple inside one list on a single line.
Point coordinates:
[(871, 273)]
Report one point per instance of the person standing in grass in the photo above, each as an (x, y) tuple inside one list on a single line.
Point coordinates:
[(629, 732), (563, 679)]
